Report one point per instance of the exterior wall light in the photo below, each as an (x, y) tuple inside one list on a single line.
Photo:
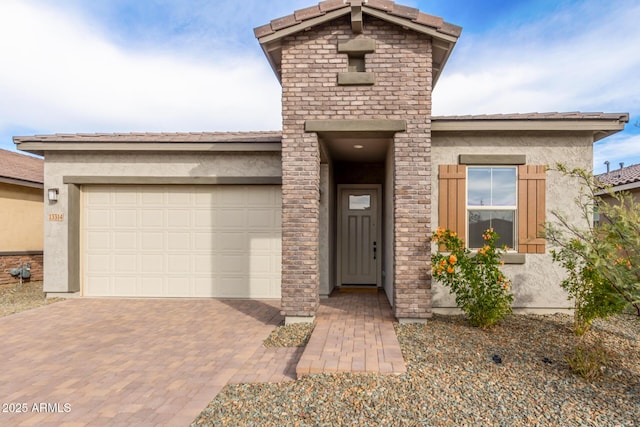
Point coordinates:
[(52, 194)]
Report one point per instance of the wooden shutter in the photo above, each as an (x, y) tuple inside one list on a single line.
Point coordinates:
[(452, 199), (531, 208)]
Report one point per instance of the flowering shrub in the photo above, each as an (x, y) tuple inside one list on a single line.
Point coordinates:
[(481, 290)]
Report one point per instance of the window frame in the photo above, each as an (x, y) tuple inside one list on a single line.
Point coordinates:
[(509, 208)]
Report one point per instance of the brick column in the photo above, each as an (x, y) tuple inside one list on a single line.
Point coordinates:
[(412, 208), (300, 224)]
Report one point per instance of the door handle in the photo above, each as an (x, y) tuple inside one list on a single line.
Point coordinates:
[(375, 249)]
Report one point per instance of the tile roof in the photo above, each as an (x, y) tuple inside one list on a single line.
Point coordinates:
[(625, 175), (276, 136), (386, 6), (155, 137), (20, 167), (573, 115)]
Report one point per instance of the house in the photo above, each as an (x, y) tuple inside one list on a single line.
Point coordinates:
[(626, 178), (347, 193), (21, 214)]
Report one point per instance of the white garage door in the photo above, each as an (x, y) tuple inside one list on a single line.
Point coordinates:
[(182, 241)]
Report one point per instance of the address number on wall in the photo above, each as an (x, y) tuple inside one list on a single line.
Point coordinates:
[(56, 217)]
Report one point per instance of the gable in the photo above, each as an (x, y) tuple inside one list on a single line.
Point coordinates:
[(442, 34)]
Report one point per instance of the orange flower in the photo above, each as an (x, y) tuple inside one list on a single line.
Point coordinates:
[(450, 269), (453, 259)]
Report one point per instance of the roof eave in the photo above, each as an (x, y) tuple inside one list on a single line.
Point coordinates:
[(600, 128), (40, 147), (20, 182)]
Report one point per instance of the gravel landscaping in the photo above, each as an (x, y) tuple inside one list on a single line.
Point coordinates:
[(293, 335), (15, 298), (512, 375)]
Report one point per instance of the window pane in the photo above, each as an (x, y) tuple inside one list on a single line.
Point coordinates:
[(479, 187), (504, 187), (359, 203), (503, 223)]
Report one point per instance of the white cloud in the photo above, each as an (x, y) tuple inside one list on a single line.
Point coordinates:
[(583, 58), (616, 149), (60, 74)]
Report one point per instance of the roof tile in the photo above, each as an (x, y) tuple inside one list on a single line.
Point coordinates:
[(386, 5), (284, 22), (625, 175), (540, 116), (308, 13), (429, 20), (405, 12), (450, 29), (21, 167), (263, 30), (329, 5), (157, 137)]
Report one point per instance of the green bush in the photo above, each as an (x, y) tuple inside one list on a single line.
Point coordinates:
[(601, 259), (482, 291)]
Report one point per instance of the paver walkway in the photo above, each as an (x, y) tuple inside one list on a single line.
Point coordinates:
[(132, 362), (354, 333)]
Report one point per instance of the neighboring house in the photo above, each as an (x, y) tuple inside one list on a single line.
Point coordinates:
[(626, 178), (21, 214), (347, 193)]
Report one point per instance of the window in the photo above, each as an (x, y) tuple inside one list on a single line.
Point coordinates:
[(491, 203), (495, 191), (359, 203)]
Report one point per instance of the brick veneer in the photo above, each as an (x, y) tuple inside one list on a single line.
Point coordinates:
[(402, 91), (8, 262)]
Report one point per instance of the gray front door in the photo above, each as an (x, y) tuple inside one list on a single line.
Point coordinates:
[(360, 247)]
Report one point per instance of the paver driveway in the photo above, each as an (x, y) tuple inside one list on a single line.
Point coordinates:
[(125, 361)]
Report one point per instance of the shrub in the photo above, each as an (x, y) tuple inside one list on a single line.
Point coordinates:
[(482, 291), (588, 360), (601, 259)]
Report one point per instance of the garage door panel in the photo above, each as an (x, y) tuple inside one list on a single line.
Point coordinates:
[(151, 218), (125, 263), (125, 286), (151, 287), (182, 241), (152, 196), (175, 198), (178, 241), (177, 218), (125, 218), (98, 240), (99, 218), (99, 263), (152, 263), (123, 240), (178, 287), (231, 218), (232, 242), (150, 241), (204, 218), (178, 264)]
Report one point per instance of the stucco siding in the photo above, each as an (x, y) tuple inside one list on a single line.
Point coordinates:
[(536, 283), (21, 216), (62, 244)]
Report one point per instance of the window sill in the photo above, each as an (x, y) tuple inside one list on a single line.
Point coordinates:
[(513, 258)]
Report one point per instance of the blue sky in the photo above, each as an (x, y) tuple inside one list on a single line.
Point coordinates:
[(194, 65)]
